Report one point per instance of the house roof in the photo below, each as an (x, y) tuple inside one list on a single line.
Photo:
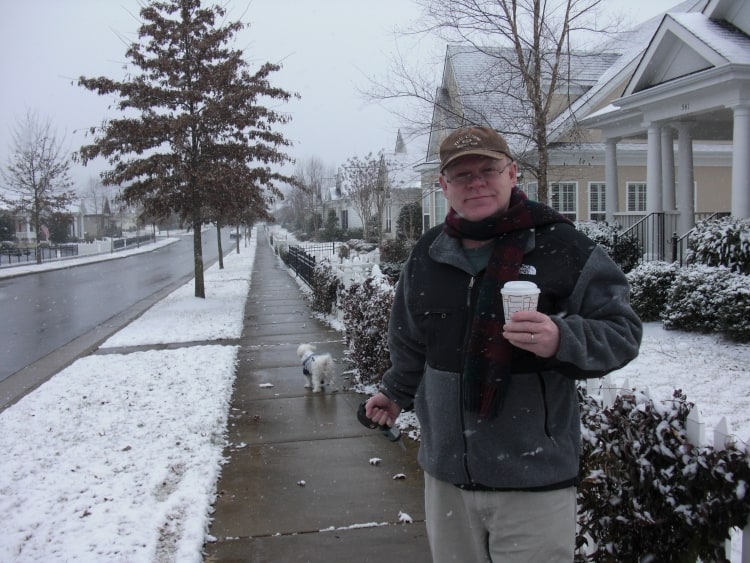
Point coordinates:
[(686, 44), (408, 151), (488, 88), (631, 45)]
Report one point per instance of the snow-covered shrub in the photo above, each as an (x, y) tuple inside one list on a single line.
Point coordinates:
[(733, 302), (367, 309), (325, 287), (721, 242), (626, 251), (393, 255), (694, 302), (646, 493), (361, 245), (650, 284), (395, 250)]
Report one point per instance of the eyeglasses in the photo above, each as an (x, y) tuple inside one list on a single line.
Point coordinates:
[(488, 174)]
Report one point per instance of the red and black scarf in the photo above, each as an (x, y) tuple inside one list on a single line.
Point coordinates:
[(488, 355)]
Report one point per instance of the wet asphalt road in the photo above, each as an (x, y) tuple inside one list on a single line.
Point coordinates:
[(44, 311)]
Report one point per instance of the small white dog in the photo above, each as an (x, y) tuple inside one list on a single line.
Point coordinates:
[(317, 368)]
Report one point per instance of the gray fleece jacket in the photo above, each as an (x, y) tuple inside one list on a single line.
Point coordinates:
[(534, 443)]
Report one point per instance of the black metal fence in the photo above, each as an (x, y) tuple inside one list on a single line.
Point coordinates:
[(11, 256), (302, 263)]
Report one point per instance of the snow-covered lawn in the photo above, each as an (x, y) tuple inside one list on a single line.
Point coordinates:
[(116, 458)]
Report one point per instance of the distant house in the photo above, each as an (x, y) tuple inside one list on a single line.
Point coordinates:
[(404, 182), (676, 83), (403, 186)]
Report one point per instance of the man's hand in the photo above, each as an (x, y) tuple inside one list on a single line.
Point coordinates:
[(382, 410), (533, 331)]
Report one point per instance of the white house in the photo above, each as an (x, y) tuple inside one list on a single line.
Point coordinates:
[(403, 186)]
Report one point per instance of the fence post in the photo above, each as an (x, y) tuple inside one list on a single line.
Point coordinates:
[(722, 436), (695, 428)]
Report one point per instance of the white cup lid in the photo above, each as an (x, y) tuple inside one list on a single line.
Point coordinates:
[(520, 286)]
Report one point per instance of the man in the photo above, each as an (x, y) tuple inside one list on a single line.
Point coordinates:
[(497, 403)]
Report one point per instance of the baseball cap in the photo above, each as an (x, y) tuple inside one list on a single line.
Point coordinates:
[(480, 141)]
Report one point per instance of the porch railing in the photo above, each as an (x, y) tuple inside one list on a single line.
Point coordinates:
[(651, 230)]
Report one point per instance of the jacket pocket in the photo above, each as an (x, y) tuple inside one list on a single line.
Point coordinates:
[(444, 330)]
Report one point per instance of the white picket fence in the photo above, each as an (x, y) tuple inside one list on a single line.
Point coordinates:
[(695, 428)]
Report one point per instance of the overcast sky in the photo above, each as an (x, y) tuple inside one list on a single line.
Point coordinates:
[(327, 48)]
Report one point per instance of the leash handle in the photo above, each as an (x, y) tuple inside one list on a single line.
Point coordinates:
[(390, 432)]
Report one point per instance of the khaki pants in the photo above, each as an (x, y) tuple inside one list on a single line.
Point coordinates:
[(499, 527)]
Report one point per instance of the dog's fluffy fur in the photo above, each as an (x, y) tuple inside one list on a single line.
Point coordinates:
[(317, 368)]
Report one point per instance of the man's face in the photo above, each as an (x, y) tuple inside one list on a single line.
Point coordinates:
[(478, 187)]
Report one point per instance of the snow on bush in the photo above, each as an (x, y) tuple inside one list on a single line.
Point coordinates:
[(626, 251), (649, 288), (326, 286), (721, 242), (367, 308), (649, 495), (712, 294)]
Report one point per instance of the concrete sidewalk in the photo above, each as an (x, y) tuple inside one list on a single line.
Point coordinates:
[(299, 484)]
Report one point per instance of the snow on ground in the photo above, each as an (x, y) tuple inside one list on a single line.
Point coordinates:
[(116, 457)]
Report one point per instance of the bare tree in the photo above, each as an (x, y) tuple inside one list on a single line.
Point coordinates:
[(37, 174), (311, 175), (528, 47), (364, 183)]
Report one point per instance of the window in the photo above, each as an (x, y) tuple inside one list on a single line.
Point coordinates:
[(440, 206), (597, 200), (344, 219), (532, 190), (563, 198), (636, 196), (425, 212)]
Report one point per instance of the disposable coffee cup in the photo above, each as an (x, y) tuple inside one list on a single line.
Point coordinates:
[(519, 296)]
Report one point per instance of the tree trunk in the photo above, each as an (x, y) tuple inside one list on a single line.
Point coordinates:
[(218, 244), (200, 288)]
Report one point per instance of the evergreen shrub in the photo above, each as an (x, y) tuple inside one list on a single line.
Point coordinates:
[(325, 288), (367, 307), (650, 284), (721, 242), (647, 494), (693, 303)]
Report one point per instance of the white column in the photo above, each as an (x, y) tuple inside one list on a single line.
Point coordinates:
[(685, 178), (653, 170), (611, 192), (741, 163), (667, 168)]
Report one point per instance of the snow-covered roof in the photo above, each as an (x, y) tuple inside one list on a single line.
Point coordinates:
[(408, 151), (727, 41), (631, 45), (490, 89)]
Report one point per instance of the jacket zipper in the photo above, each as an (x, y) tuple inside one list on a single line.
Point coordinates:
[(469, 291)]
